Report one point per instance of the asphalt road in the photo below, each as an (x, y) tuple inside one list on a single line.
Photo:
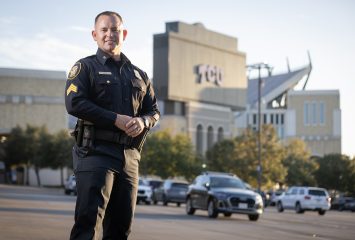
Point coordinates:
[(28, 213)]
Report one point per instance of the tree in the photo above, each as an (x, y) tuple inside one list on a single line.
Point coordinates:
[(336, 171), (63, 144), (300, 166), (221, 157), (240, 156), (14, 147), (43, 150), (167, 156)]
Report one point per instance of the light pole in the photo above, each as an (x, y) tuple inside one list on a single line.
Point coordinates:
[(259, 67)]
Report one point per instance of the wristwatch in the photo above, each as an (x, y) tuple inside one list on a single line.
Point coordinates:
[(146, 122)]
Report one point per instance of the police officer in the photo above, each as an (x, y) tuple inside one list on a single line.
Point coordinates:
[(115, 105)]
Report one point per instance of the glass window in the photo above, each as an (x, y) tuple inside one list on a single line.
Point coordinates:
[(223, 182), (199, 139), (220, 134), (306, 114), (321, 113), (314, 113), (210, 137), (316, 192)]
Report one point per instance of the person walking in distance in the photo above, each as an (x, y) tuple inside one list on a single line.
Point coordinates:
[(115, 104)]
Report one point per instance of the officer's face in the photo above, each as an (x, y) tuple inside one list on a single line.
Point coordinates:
[(109, 34)]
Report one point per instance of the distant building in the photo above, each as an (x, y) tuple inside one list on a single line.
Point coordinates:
[(200, 79), (311, 115), (34, 97)]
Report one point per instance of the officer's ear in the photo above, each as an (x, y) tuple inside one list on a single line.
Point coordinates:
[(93, 34), (124, 33)]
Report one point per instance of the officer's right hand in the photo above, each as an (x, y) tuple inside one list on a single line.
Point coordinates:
[(121, 121)]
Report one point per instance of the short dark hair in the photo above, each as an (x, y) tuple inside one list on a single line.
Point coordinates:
[(108, 13)]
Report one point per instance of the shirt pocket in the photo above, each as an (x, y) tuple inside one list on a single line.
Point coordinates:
[(105, 89)]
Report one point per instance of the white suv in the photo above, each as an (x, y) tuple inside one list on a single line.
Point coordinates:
[(303, 199), (144, 193)]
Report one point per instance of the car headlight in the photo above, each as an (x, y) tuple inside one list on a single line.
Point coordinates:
[(258, 199)]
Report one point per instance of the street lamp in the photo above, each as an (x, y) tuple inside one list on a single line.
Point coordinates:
[(259, 67)]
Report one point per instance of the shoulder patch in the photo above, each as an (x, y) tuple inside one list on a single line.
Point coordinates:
[(74, 71), (137, 74)]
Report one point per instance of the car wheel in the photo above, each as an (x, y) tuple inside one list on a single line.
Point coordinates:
[(178, 204), (147, 202), (321, 212), (155, 202), (299, 208), (253, 217), (279, 207), (165, 201), (189, 209), (212, 210), (67, 192), (227, 214)]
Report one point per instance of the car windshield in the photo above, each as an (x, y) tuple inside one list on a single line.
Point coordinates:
[(317, 192), (179, 185), (222, 182)]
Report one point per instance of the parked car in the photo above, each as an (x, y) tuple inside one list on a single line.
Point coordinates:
[(171, 191), (274, 196), (70, 185), (144, 193), (339, 203), (350, 205), (223, 193), (153, 183), (303, 199)]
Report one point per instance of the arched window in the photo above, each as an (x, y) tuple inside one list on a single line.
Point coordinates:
[(210, 137), (220, 134), (199, 139)]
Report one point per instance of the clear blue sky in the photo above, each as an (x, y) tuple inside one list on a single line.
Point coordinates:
[(54, 34)]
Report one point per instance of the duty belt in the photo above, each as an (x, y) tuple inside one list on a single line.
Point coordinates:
[(115, 137)]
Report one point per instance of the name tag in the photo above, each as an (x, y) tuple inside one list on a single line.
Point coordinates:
[(105, 73)]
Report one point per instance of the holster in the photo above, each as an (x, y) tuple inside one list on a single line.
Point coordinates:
[(84, 133), (78, 132)]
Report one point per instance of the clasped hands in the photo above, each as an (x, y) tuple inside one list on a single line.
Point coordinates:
[(132, 126)]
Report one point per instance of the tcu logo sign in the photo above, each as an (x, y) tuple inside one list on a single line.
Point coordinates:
[(210, 74)]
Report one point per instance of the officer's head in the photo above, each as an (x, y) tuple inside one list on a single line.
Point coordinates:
[(109, 32)]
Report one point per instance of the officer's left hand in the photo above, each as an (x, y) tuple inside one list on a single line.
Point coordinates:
[(134, 127)]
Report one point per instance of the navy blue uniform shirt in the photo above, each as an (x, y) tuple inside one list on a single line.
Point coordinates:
[(98, 88)]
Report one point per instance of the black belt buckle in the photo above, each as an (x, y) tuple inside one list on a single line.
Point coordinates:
[(117, 138)]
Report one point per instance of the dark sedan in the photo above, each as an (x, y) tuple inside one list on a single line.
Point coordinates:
[(223, 193)]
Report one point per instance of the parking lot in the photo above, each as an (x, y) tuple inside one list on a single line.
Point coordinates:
[(40, 213)]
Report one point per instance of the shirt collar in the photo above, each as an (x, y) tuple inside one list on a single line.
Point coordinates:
[(103, 57)]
